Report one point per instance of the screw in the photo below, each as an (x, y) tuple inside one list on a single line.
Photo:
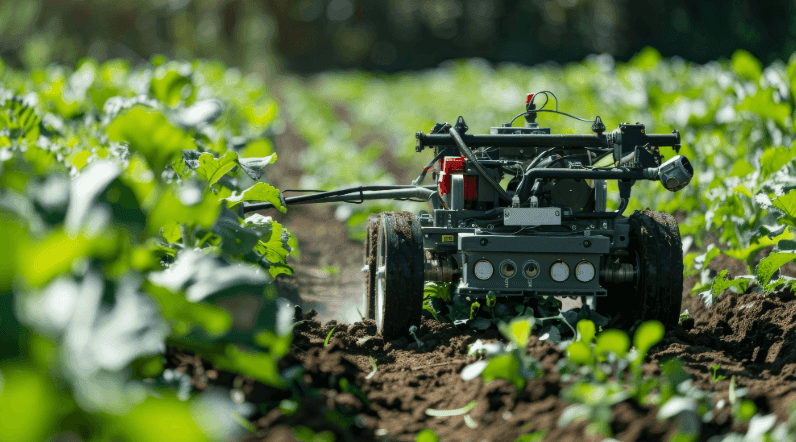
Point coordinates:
[(605, 225), (587, 243), (558, 213), (426, 235), (574, 227), (522, 151), (483, 241), (591, 226)]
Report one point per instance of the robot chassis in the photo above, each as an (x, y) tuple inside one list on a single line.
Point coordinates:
[(548, 233)]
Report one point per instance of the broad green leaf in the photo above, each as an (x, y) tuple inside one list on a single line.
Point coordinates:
[(175, 307), (504, 367), (518, 331), (273, 245), (742, 168), (148, 132), (615, 341), (260, 366), (58, 252), (255, 167), (746, 65), (211, 169), (236, 240), (258, 192), (770, 264), (261, 114), (427, 435), (722, 282), (434, 289), (532, 437), (170, 209), (170, 86), (773, 159), (586, 331), (205, 277), (763, 104), (646, 59), (787, 204), (171, 232), (580, 353), (20, 120), (30, 405), (748, 253), (163, 419), (648, 334)]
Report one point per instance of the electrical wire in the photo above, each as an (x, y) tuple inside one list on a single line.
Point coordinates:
[(551, 111)]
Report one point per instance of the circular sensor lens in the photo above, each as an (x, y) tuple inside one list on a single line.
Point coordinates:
[(531, 269), (483, 269), (508, 268), (584, 271), (559, 271)]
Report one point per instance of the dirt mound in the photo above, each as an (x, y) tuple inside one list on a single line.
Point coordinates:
[(750, 336)]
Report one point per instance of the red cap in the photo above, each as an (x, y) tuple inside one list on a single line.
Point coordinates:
[(529, 98)]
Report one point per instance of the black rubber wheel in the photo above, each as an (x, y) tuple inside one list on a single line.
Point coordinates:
[(371, 240), (400, 267), (656, 293)]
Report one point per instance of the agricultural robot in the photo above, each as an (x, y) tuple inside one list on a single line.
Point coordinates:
[(547, 232)]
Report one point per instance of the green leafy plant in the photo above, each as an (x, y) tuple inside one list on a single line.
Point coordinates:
[(715, 377), (510, 362)]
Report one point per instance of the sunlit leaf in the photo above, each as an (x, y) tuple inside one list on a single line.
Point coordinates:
[(170, 86), (746, 65), (148, 132), (580, 353), (258, 192), (615, 341), (769, 265), (211, 169), (648, 334)]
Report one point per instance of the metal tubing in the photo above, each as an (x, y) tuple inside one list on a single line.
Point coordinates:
[(415, 192)]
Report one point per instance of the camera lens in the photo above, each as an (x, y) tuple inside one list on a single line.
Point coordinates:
[(531, 270)]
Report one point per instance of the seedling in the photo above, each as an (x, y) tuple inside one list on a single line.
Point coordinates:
[(547, 232), (372, 364), (328, 337), (412, 331), (683, 316), (715, 377)]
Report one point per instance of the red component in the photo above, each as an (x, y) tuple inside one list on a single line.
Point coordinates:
[(528, 99), (452, 164)]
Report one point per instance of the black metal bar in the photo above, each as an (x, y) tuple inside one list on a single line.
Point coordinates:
[(539, 140), (612, 174), (515, 140)]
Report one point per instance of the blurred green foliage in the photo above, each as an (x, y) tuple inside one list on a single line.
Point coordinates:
[(118, 238)]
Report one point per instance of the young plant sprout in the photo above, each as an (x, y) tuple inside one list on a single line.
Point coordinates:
[(412, 331)]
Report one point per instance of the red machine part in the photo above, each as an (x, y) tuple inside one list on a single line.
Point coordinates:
[(453, 164)]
